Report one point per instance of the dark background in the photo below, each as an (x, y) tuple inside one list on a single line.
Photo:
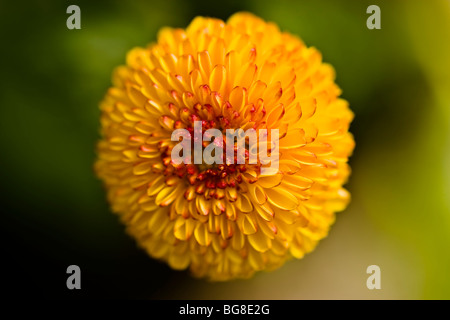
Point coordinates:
[(54, 212)]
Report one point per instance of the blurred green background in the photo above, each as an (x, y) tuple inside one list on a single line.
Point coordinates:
[(54, 212)]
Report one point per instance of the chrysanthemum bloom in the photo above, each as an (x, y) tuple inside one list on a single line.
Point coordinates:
[(225, 221)]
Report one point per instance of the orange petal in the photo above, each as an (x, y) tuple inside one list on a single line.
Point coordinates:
[(281, 198)]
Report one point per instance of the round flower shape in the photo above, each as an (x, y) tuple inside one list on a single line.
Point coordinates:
[(228, 220)]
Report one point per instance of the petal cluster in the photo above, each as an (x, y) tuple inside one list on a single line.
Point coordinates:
[(225, 221)]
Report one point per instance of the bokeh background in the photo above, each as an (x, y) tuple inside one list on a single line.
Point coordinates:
[(54, 212)]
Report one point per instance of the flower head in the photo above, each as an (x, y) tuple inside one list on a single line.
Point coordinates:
[(225, 220)]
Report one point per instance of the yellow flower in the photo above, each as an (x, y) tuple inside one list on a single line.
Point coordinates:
[(225, 221)]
